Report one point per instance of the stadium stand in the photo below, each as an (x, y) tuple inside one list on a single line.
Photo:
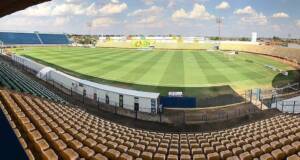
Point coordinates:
[(19, 38), (291, 54), (15, 80), (48, 130), (54, 39), (11, 38)]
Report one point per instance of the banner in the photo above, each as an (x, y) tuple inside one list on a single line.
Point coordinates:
[(142, 43)]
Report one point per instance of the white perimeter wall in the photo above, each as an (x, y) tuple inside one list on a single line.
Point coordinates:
[(28, 63), (148, 102)]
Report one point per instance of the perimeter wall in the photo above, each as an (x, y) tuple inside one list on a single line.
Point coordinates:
[(290, 54), (161, 45)]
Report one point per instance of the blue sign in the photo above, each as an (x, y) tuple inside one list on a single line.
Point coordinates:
[(178, 102)]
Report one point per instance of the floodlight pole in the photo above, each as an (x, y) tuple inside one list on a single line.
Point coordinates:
[(90, 25), (219, 22)]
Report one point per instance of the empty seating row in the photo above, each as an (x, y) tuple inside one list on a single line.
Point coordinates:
[(54, 39), (292, 54), (16, 80), (56, 131), (12, 38), (19, 38)]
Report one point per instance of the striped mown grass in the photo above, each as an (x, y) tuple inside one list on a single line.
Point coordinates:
[(162, 70)]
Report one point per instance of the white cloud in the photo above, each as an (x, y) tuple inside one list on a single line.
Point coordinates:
[(19, 23), (39, 10), (298, 23), (103, 22), (148, 20), (180, 14), (257, 19), (52, 9), (68, 9), (60, 21), (223, 5), (113, 8), (115, 1), (250, 16), (149, 2), (198, 12), (248, 10), (276, 27), (91, 10), (153, 10), (71, 7), (280, 15), (75, 1), (171, 3)]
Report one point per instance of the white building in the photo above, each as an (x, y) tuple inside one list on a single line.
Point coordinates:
[(254, 37)]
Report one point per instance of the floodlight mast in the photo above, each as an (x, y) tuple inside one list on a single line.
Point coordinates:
[(90, 25), (219, 22)]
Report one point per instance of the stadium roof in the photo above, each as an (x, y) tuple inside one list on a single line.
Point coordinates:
[(11, 6)]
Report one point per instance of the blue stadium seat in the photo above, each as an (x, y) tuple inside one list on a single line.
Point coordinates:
[(11, 38), (54, 39), (19, 38)]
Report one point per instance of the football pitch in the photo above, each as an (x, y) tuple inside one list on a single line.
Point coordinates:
[(195, 72)]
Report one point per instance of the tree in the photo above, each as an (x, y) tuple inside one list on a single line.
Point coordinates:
[(276, 38), (244, 39), (214, 38)]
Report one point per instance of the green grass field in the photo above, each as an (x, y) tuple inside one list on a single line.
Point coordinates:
[(162, 70)]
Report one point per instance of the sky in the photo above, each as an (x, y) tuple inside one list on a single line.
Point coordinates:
[(160, 17)]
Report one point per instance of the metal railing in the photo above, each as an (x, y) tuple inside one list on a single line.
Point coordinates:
[(287, 106)]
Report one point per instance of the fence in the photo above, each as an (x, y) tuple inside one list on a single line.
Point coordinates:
[(287, 106), (99, 104), (193, 116), (267, 98)]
